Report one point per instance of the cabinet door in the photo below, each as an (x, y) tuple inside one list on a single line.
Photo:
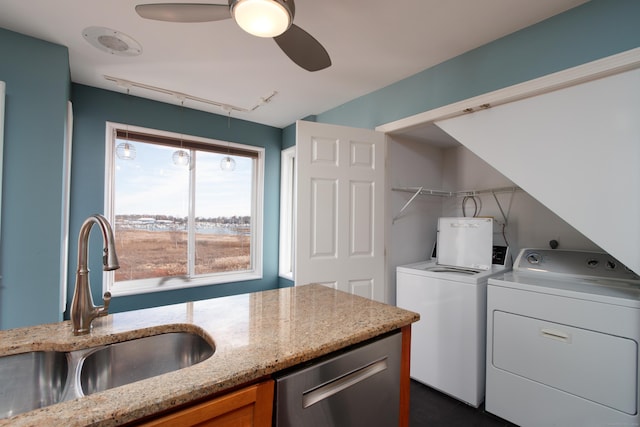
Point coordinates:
[(250, 406)]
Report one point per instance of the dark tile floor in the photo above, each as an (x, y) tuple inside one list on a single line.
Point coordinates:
[(430, 408)]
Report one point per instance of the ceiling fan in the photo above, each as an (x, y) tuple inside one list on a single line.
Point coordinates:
[(263, 18)]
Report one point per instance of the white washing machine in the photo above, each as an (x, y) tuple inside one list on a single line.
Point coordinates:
[(562, 341), (448, 342)]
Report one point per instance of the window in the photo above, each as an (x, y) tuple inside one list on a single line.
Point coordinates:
[(181, 223), (287, 212)]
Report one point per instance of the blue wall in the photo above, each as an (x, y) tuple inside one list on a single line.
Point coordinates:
[(37, 85), (38, 88), (92, 109), (592, 31)]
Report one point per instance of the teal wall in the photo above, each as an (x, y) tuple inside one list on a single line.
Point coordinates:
[(92, 109), (37, 90), (289, 136), (592, 31)]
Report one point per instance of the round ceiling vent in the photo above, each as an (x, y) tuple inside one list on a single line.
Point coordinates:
[(112, 41)]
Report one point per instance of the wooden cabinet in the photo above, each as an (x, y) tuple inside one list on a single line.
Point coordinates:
[(405, 379), (250, 406)]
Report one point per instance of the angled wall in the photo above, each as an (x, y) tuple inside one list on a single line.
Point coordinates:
[(576, 150)]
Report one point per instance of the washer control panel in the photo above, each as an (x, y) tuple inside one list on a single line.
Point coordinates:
[(572, 263)]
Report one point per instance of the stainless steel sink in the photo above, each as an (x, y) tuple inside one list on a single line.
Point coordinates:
[(37, 379), (31, 380), (126, 362)]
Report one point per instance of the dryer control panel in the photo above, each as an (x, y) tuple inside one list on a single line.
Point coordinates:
[(573, 264)]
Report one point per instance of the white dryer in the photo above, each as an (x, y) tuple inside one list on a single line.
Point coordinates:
[(448, 342), (562, 341)]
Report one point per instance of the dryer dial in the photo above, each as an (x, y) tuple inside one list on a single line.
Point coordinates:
[(534, 258)]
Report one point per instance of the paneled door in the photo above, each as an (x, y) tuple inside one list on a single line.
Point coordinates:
[(339, 231)]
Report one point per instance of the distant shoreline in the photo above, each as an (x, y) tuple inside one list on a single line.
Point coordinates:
[(145, 253)]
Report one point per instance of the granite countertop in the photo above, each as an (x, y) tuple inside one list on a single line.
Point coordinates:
[(255, 335)]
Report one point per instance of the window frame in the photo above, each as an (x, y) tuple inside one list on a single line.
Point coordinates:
[(286, 263), (143, 286)]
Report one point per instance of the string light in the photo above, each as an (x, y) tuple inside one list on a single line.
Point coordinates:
[(181, 157), (126, 150), (227, 163)]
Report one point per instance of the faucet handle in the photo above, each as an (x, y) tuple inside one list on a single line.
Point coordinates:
[(105, 309)]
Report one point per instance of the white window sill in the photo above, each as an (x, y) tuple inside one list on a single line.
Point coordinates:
[(288, 276), (137, 287)]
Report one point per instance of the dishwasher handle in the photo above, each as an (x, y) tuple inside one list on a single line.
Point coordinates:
[(315, 395)]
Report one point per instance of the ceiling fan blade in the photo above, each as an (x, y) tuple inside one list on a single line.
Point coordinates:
[(303, 49), (184, 12)]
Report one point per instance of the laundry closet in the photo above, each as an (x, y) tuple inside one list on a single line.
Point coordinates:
[(577, 159), (570, 139), (427, 157), (448, 347)]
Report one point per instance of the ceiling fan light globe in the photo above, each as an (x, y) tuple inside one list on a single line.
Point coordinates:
[(262, 18)]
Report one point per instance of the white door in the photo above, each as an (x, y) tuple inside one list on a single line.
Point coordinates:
[(340, 208)]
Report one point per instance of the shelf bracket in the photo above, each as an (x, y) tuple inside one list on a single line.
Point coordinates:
[(417, 193), (505, 217)]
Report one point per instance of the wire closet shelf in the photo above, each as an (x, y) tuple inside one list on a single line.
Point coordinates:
[(421, 191)]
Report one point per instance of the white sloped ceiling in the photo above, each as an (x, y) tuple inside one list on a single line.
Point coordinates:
[(576, 150)]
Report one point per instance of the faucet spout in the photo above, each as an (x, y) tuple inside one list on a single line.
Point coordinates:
[(82, 309)]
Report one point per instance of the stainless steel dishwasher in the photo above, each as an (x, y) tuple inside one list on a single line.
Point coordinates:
[(357, 387)]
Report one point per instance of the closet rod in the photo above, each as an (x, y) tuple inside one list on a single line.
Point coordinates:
[(421, 191), (491, 190), (426, 192)]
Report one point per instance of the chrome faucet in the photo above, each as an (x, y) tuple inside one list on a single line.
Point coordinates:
[(82, 309)]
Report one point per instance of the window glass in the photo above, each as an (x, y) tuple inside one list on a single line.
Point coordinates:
[(151, 207), (223, 215), (181, 224)]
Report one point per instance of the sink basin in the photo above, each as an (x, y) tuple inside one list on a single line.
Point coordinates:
[(126, 362), (31, 380)]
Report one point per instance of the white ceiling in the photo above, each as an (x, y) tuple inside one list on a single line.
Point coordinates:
[(372, 43)]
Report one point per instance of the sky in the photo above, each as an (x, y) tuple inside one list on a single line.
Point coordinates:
[(152, 184)]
